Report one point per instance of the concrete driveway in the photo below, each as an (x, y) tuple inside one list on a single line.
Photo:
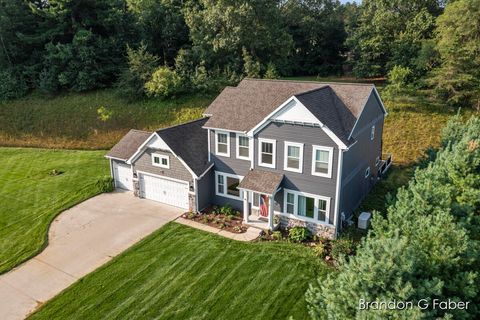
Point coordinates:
[(80, 240)]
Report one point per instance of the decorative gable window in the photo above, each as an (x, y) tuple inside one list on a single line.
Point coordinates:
[(160, 160), (266, 150), (222, 144), (367, 172), (322, 158), (293, 159), (372, 133), (243, 147)]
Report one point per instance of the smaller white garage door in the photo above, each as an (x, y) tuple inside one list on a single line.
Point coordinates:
[(174, 193), (123, 176)]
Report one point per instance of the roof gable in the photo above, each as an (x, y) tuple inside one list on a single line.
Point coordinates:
[(242, 108), (295, 112), (128, 145)]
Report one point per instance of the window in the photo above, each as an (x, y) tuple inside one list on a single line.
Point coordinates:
[(290, 203), (322, 161), (220, 184), (372, 133), (227, 185), (377, 161), (243, 147), (293, 160), (255, 199), (160, 160), (367, 172), (222, 144), (322, 210), (266, 157), (307, 207)]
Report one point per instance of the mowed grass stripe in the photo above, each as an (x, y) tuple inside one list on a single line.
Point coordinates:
[(182, 273), (30, 198)]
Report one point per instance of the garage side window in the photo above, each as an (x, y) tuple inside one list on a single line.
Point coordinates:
[(160, 160)]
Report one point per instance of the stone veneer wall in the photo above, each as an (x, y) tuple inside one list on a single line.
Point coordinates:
[(321, 230)]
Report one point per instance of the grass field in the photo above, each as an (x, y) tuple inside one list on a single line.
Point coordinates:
[(71, 120), (30, 197), (183, 273)]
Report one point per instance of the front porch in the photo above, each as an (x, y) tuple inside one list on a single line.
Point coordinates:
[(258, 190)]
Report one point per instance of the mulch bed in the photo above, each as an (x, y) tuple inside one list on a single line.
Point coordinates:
[(229, 223)]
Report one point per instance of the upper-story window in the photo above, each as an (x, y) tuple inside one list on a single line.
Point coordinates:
[(322, 158), (266, 153), (372, 133), (160, 160), (243, 147), (222, 144), (293, 159)]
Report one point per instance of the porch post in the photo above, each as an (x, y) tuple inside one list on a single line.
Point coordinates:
[(270, 212), (245, 206)]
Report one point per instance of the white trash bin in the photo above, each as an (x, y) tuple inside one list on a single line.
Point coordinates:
[(364, 220)]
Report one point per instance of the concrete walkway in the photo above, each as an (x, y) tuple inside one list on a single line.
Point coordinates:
[(80, 240), (249, 235)]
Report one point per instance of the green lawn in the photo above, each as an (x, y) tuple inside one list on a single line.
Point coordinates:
[(30, 198), (71, 121), (183, 273)]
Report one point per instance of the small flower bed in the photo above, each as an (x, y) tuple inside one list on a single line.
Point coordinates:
[(224, 218), (328, 250)]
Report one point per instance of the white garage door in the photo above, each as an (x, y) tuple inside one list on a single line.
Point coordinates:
[(167, 191), (123, 176)]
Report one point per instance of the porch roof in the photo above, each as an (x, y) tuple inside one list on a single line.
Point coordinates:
[(261, 181)]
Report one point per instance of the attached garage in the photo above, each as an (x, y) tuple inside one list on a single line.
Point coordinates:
[(122, 173), (165, 190)]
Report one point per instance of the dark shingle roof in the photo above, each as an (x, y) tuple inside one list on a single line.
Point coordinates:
[(241, 108), (189, 141), (261, 181), (129, 144)]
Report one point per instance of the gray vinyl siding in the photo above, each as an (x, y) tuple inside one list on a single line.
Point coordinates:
[(221, 201), (360, 156), (206, 189), (228, 164), (176, 171), (305, 181)]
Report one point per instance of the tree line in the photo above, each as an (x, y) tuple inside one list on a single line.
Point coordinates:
[(164, 47)]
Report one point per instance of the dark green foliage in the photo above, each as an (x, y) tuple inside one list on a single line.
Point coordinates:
[(318, 34), (298, 234), (457, 80), (141, 65), (12, 85), (342, 247), (390, 33), (426, 247)]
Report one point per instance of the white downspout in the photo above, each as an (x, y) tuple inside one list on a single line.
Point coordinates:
[(339, 187)]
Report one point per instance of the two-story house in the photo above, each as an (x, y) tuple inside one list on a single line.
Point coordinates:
[(308, 152)]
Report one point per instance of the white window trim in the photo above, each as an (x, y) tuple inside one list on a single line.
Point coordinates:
[(228, 143), (274, 153), (160, 156), (367, 172), (226, 195), (285, 157), (372, 133), (238, 147), (251, 199), (315, 210), (330, 161), (377, 161)]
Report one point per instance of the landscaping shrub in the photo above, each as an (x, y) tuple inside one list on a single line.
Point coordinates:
[(277, 235), (320, 250), (105, 184), (298, 234), (342, 247), (164, 83)]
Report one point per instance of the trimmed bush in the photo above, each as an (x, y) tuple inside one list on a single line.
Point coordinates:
[(105, 184)]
